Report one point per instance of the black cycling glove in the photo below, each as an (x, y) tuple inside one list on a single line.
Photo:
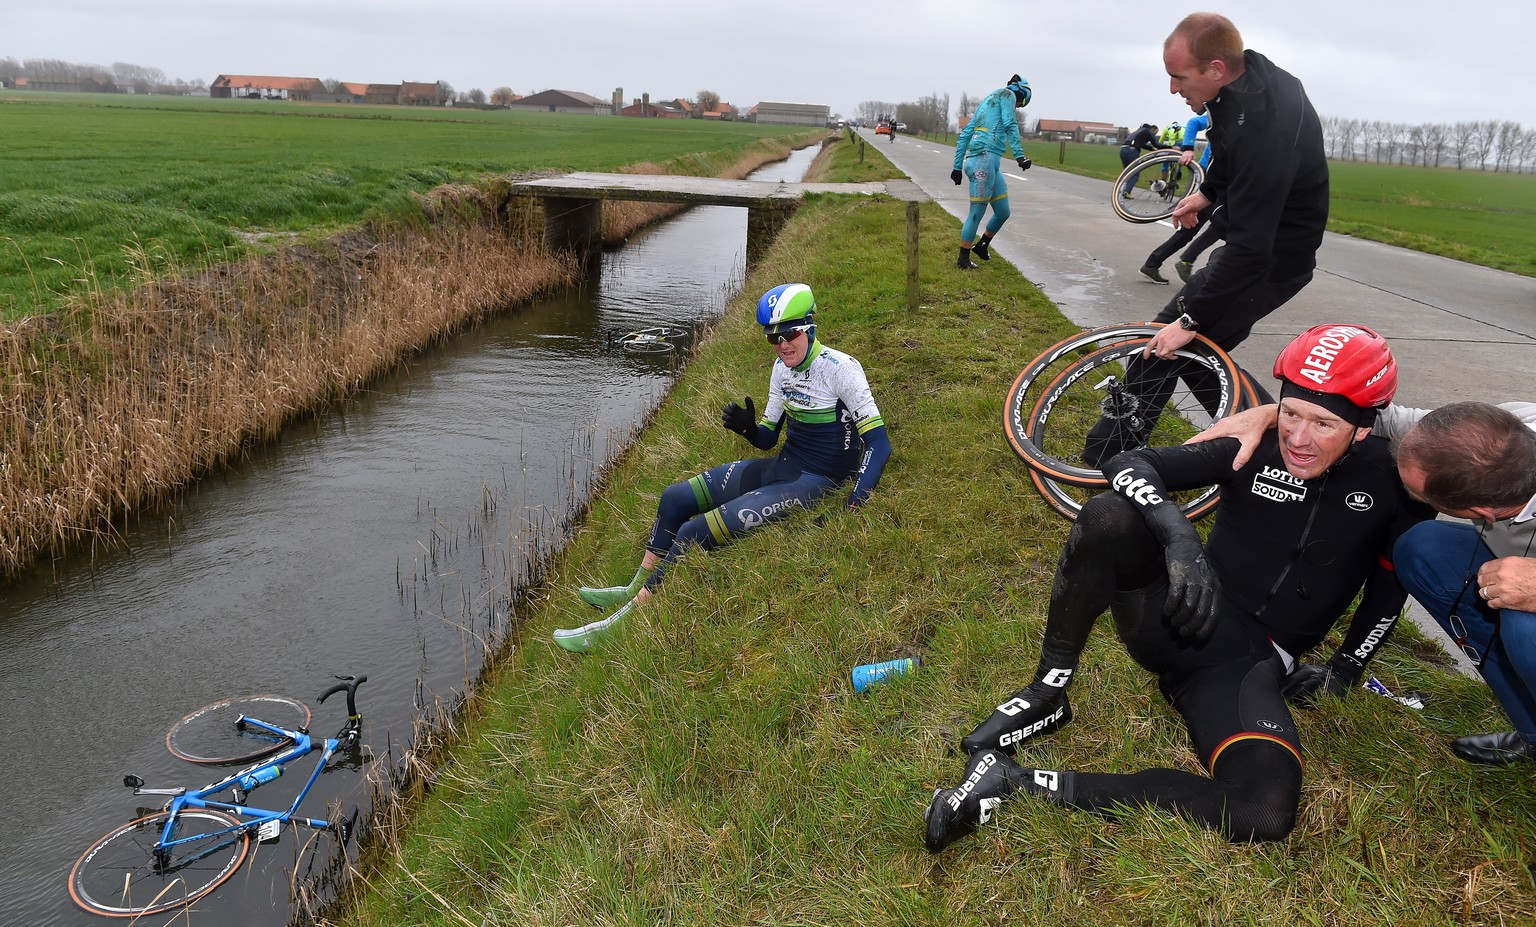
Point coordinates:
[(1193, 589), (742, 421), (1336, 678), (1024, 163), (956, 176)]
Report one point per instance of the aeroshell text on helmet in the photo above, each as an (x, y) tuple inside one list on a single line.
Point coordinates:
[(1319, 361)]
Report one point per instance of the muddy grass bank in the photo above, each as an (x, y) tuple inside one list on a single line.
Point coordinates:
[(123, 399)]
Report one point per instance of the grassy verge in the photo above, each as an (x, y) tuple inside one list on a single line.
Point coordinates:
[(1479, 217), (713, 765)]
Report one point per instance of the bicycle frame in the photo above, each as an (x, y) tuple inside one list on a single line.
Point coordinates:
[(199, 798)]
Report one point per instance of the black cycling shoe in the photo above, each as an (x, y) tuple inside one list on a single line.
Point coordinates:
[(1034, 710), (982, 250), (957, 812)]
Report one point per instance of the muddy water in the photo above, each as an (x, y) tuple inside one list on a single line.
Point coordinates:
[(383, 537)]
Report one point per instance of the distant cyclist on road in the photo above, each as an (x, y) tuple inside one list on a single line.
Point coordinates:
[(992, 130), (819, 398)]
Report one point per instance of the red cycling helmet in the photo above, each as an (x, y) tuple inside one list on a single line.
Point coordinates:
[(1327, 363)]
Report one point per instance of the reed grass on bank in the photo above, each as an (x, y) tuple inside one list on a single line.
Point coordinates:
[(712, 765)]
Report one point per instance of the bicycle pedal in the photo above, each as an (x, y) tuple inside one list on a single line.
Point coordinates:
[(268, 831)]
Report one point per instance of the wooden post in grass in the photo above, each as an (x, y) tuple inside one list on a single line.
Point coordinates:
[(912, 255)]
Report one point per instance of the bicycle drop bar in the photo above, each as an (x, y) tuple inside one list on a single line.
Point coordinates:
[(348, 685)]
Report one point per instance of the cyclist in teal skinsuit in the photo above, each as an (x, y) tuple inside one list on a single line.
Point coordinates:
[(993, 129)]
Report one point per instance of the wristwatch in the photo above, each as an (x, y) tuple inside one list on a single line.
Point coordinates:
[(1187, 323)]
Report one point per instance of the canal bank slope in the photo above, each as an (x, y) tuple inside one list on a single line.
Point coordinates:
[(713, 765), (126, 398)]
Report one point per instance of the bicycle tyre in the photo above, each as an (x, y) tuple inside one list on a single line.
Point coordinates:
[(1068, 500), (1150, 202), (1065, 485), (210, 735), (1024, 393), (120, 866), (1056, 450), (1038, 373)]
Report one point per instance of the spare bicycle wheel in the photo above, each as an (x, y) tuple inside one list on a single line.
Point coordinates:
[(213, 734), (1152, 185)]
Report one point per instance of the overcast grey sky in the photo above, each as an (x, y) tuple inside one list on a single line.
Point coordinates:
[(1411, 61)]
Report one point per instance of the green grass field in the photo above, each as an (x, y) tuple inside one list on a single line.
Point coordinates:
[(96, 191), (712, 765)]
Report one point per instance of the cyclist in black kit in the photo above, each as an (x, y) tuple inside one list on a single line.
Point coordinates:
[(1300, 528)]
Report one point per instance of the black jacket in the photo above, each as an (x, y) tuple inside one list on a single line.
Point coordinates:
[(1269, 175)]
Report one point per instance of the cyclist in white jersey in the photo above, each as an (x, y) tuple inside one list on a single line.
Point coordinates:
[(819, 398)]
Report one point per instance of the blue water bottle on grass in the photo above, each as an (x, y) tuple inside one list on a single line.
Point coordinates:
[(871, 673)]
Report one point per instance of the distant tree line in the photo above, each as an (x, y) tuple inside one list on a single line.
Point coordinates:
[(928, 114), (121, 75), (1487, 145)]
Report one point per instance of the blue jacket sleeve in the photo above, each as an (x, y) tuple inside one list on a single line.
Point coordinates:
[(877, 450)]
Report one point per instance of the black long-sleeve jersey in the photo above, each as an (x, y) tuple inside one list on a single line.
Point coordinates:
[(1291, 554)]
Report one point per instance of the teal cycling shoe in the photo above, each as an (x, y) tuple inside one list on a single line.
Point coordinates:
[(588, 636), (606, 596)]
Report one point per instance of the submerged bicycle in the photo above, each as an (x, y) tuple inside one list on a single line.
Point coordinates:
[(168, 859), (660, 339), (1097, 375)]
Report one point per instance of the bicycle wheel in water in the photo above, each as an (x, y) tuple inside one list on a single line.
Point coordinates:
[(119, 876), (1152, 185), (213, 734)]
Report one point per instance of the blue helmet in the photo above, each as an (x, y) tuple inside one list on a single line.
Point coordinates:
[(787, 307), (1021, 92)]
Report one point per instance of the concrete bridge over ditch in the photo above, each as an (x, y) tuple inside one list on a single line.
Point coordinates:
[(573, 206)]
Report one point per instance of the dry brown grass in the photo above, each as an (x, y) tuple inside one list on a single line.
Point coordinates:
[(124, 398)]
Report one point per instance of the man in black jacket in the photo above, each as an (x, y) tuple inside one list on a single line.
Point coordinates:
[(1142, 141), (1268, 178)]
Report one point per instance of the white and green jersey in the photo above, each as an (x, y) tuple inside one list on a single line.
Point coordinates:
[(826, 405)]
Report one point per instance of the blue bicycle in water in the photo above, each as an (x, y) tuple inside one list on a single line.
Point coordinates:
[(175, 856)]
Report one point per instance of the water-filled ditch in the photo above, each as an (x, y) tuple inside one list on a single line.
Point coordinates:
[(380, 537)]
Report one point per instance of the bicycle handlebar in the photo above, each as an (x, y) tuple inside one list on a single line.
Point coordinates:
[(348, 685)]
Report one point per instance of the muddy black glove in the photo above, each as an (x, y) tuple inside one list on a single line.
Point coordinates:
[(1024, 164), (956, 176), (1307, 681), (1193, 589), (742, 421)]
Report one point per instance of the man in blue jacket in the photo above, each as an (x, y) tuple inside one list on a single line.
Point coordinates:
[(992, 130), (1269, 175)]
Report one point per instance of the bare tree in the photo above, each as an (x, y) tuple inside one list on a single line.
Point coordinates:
[(871, 111), (476, 96), (1487, 135), (444, 92), (1436, 137), (1509, 146), (1464, 143), (502, 96), (966, 107), (708, 100)]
